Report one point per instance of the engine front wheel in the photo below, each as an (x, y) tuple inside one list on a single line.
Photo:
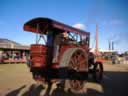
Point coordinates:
[(98, 72)]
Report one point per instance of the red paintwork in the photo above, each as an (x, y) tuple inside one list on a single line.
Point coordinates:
[(38, 55), (45, 23)]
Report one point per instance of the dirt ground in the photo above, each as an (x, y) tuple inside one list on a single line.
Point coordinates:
[(16, 80)]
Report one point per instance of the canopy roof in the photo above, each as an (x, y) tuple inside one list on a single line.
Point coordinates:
[(41, 25), (11, 45)]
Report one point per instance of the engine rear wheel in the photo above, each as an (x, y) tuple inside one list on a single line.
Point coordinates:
[(75, 59)]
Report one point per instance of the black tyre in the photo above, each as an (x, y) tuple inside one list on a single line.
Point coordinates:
[(98, 72)]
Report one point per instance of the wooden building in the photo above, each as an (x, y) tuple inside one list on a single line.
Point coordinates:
[(12, 52)]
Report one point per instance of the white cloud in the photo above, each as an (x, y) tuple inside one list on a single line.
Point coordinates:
[(80, 26)]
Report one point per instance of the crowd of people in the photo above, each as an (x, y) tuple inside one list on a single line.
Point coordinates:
[(4, 56)]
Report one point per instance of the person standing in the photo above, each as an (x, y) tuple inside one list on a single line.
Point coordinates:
[(59, 39)]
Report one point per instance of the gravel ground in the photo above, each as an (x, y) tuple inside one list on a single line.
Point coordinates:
[(16, 80)]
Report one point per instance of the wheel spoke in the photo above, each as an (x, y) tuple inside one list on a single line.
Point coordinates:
[(80, 57), (72, 63), (75, 59), (76, 84), (82, 62)]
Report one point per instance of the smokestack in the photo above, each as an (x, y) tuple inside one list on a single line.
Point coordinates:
[(96, 47), (112, 45), (109, 44)]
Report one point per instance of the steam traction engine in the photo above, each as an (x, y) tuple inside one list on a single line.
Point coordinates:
[(74, 61)]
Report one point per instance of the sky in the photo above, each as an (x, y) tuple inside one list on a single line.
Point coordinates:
[(110, 15)]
